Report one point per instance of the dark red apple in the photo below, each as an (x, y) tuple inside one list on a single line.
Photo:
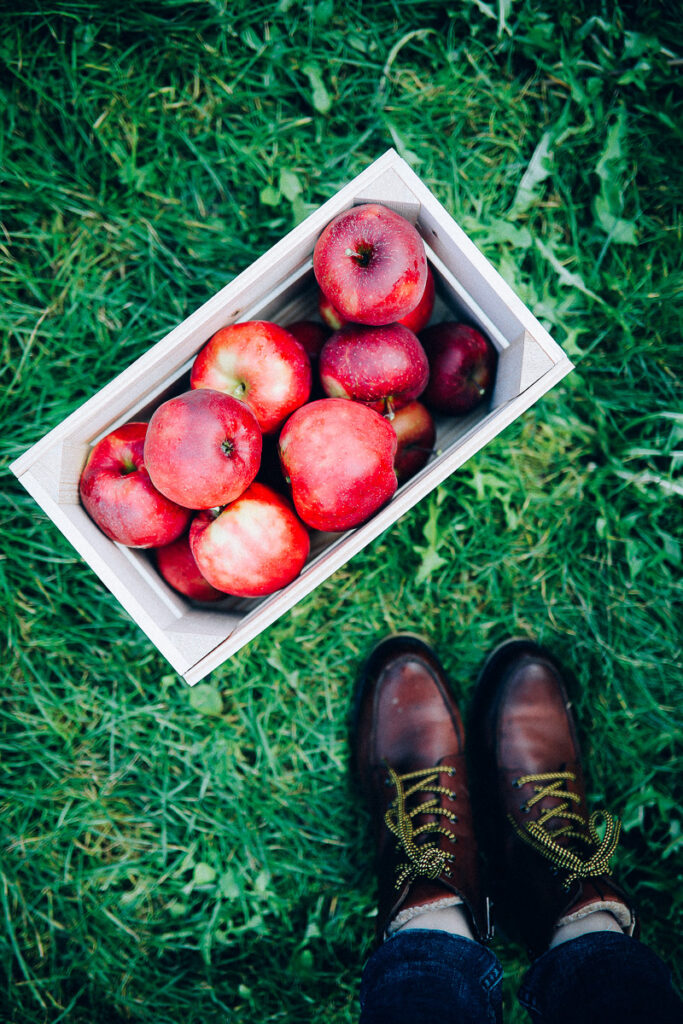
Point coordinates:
[(462, 367), (339, 458), (119, 496), (416, 320), (176, 564), (253, 546), (415, 432), (259, 363), (384, 367), (203, 448), (370, 263), (311, 334)]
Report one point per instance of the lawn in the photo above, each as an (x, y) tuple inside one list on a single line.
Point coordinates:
[(174, 855)]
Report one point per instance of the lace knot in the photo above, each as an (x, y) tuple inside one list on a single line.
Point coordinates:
[(424, 859), (575, 847)]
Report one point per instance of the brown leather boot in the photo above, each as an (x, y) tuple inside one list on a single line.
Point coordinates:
[(546, 859), (409, 754)]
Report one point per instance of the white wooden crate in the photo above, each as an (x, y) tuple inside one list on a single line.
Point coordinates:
[(280, 286)]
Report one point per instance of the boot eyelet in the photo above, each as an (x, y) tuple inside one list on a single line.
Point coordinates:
[(524, 809)]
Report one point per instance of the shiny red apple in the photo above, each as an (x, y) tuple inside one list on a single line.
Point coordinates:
[(415, 432), (462, 367), (384, 367), (370, 263), (176, 564), (203, 448), (119, 496), (261, 364), (252, 547), (339, 457)]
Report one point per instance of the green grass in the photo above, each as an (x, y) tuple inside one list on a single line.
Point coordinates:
[(160, 864)]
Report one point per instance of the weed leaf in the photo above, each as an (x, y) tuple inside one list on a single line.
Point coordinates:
[(538, 169), (206, 699), (320, 96), (290, 186), (431, 559), (565, 276), (270, 196), (204, 874), (611, 168)]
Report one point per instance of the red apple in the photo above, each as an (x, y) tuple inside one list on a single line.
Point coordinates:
[(339, 458), (119, 496), (416, 320), (203, 448), (261, 364), (253, 546), (415, 432), (462, 366), (370, 262), (332, 317), (311, 334), (384, 367), (176, 564)]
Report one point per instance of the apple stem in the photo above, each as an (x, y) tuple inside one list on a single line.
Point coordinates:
[(362, 256), (227, 447), (389, 408)]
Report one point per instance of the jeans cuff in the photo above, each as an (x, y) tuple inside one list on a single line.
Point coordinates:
[(426, 975), (599, 977)]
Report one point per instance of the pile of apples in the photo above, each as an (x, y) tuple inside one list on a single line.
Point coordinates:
[(201, 482)]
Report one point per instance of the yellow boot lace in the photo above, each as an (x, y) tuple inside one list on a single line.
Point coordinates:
[(596, 854), (425, 859)]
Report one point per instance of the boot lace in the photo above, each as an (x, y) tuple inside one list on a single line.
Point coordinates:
[(594, 854), (424, 859)]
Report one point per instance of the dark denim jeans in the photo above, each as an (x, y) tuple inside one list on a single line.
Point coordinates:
[(431, 977)]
